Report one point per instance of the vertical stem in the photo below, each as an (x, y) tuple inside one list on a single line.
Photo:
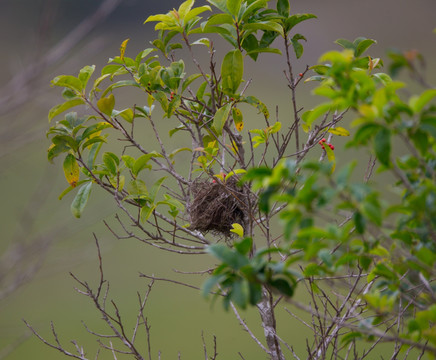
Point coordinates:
[(266, 311), (292, 85)]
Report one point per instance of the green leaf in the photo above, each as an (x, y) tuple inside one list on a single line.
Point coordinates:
[(173, 105), (385, 79), (346, 44), (253, 5), (155, 188), (253, 53), (220, 118), (264, 199), (359, 222), (220, 4), (179, 150), (202, 41), (337, 57), (312, 269), (283, 286), (144, 53), (372, 209), (196, 11), (119, 84), (142, 163), (93, 152), (169, 200), (128, 160), (110, 161), (106, 104), (274, 128), (70, 188), (65, 140), (137, 187), (71, 170), (382, 146), (90, 130), (201, 90), (189, 80), (85, 73), (68, 81), (417, 103), (159, 17), (107, 71), (265, 26), (185, 7), (232, 70), (351, 336), (245, 245), (250, 45), (92, 141), (427, 256), (163, 100), (283, 7), (362, 45), (210, 283), (233, 6), (240, 293), (310, 116), (258, 104), (126, 114), (267, 38), (365, 132), (218, 20), (296, 19), (55, 150), (79, 202), (58, 109), (345, 173), (231, 258), (298, 48), (146, 212), (68, 94)]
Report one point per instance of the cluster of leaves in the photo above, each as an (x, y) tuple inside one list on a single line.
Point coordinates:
[(241, 275), (392, 241), (81, 138), (332, 225)]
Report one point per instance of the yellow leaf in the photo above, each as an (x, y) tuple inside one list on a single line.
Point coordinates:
[(368, 111), (235, 172), (118, 183), (106, 104), (71, 170), (238, 119), (123, 49), (234, 147), (238, 230), (220, 176), (340, 131), (331, 157), (305, 127)]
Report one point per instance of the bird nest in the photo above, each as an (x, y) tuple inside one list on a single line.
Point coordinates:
[(216, 206)]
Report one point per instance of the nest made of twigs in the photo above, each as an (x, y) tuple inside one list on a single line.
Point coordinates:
[(216, 205)]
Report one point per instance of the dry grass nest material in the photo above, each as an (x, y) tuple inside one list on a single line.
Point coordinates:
[(216, 206)]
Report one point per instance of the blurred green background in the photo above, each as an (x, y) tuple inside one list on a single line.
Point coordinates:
[(41, 242)]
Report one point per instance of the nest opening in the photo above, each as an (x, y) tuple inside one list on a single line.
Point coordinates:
[(216, 206)]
